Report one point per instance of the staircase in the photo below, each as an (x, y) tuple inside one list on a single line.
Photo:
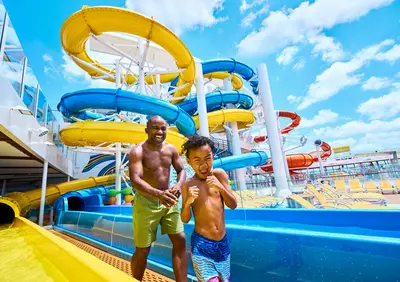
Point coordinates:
[(223, 147)]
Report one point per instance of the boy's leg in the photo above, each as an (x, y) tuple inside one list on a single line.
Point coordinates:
[(172, 225)]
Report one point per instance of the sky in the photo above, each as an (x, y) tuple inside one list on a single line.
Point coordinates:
[(334, 62)]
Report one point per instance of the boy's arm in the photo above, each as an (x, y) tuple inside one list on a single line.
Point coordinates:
[(186, 213), (225, 189)]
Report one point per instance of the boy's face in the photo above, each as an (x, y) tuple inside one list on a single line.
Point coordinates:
[(201, 159)]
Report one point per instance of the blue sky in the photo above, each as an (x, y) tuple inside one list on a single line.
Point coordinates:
[(334, 62)]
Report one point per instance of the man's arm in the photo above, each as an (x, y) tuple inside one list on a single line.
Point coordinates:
[(226, 190), (179, 167), (186, 212), (136, 174)]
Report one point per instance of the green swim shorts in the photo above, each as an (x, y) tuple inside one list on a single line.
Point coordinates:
[(148, 213)]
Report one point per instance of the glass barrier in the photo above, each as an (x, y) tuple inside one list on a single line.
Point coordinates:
[(275, 244)]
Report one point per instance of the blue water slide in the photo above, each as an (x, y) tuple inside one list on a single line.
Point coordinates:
[(255, 158), (228, 65), (73, 104), (217, 100)]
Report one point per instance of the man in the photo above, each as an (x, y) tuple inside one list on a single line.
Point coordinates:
[(155, 203)]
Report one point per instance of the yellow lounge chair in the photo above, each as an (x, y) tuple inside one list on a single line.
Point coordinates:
[(245, 203), (300, 201), (338, 202), (340, 186), (374, 198), (386, 187), (371, 186), (355, 186)]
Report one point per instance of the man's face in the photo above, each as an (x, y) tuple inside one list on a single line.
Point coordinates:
[(201, 159), (157, 131)]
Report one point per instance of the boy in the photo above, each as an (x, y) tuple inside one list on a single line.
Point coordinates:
[(206, 193)]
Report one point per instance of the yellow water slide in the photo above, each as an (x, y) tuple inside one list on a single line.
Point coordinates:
[(30, 253)]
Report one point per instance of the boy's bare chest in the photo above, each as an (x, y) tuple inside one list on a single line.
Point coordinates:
[(206, 194)]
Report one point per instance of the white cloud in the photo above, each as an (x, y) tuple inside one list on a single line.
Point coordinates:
[(342, 142), (397, 74), (354, 128), (287, 54), (386, 106), (293, 99), (391, 55), (47, 57), (300, 64), (283, 28), (377, 141), (179, 15), (330, 50), (376, 83), (246, 6), (322, 117), (340, 75), (248, 20)]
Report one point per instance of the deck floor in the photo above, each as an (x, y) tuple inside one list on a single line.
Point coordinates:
[(123, 265)]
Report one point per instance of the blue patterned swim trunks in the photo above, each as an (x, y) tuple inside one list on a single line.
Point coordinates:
[(211, 259)]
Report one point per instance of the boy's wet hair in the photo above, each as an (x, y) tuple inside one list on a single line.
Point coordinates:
[(197, 141)]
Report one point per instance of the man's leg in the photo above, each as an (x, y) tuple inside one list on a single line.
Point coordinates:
[(179, 256), (139, 262)]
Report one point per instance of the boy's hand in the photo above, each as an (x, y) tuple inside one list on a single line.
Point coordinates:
[(176, 190), (213, 182), (193, 194)]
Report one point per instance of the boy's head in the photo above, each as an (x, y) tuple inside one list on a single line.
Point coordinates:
[(200, 154)]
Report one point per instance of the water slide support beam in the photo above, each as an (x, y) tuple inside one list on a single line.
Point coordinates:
[(282, 186), (201, 101), (118, 145), (240, 174), (43, 194)]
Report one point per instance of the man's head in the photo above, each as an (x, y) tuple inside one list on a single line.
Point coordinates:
[(200, 154), (156, 130)]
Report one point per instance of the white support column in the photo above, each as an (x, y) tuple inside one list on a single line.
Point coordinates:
[(3, 37), (201, 101), (68, 178), (158, 86), (240, 174), (118, 171), (282, 187), (3, 189), (142, 85), (43, 195), (36, 101), (22, 86), (118, 145), (317, 147)]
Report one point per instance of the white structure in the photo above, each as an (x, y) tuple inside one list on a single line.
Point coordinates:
[(201, 101), (282, 187), (240, 174)]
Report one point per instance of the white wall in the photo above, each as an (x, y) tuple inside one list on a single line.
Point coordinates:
[(20, 125)]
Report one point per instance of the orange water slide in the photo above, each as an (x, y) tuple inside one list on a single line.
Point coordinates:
[(295, 123), (297, 161)]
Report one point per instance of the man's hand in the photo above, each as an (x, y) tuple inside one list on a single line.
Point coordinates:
[(193, 193), (213, 182), (167, 198), (176, 190)]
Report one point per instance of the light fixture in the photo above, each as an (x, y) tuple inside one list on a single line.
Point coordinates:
[(41, 131), (22, 110)]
